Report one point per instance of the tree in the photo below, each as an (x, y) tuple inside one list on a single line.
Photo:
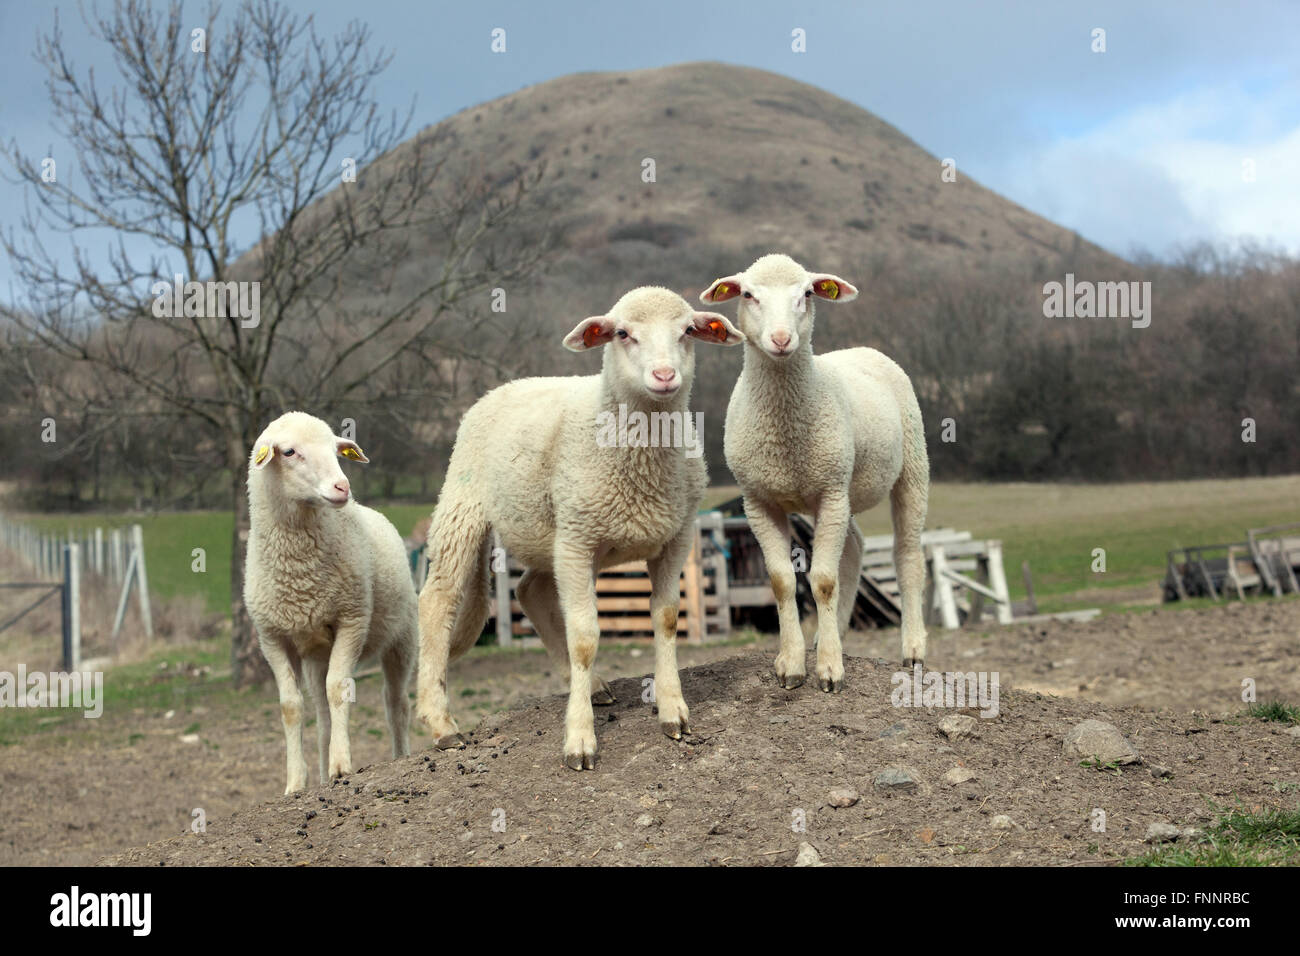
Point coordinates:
[(209, 131)]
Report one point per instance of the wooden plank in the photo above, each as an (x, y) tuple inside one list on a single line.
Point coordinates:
[(943, 589), (998, 580)]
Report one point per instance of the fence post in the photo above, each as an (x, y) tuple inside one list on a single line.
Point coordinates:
[(72, 608), (137, 541), (99, 551)]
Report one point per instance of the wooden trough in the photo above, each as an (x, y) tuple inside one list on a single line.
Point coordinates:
[(1267, 561), (725, 576)]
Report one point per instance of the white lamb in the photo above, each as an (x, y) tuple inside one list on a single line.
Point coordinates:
[(827, 435), (547, 463), (326, 583)]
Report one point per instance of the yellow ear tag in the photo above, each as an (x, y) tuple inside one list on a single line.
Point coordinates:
[(721, 290), (830, 288), (261, 454), (351, 453)]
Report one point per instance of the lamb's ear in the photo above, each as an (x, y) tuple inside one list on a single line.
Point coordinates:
[(827, 286), (349, 449), (590, 333), (263, 452), (712, 327), (721, 290)]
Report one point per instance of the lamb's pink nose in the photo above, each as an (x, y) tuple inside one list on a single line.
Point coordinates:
[(781, 339), (342, 487), (665, 374)]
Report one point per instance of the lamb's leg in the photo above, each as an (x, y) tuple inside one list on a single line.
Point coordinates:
[(398, 659), (850, 575), (456, 545), (576, 585), (287, 669), (540, 601), (665, 597), (772, 530), (315, 668), (349, 639), (833, 518), (908, 501)]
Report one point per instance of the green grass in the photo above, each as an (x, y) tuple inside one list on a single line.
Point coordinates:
[(171, 537), (1237, 838), (144, 685), (1275, 710), (1054, 527)]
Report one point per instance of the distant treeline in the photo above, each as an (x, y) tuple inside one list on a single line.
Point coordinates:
[(1209, 388)]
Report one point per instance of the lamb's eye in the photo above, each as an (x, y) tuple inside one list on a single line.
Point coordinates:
[(807, 293), (621, 333), (288, 453), (748, 296)]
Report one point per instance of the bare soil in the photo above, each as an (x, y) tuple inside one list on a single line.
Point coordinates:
[(746, 788)]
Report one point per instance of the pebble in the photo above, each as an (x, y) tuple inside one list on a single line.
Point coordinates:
[(844, 797)]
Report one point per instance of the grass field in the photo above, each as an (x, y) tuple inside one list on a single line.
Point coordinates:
[(1053, 527)]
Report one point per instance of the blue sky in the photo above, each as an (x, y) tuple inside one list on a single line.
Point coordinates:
[(1143, 146)]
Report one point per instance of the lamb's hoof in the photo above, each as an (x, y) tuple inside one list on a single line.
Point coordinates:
[(580, 761), (832, 685), (790, 681), (910, 662), (674, 728), (603, 696), (450, 742)]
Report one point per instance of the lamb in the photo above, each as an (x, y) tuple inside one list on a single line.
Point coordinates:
[(828, 435), (326, 583), (549, 464)]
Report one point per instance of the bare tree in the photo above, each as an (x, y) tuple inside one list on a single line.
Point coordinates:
[(258, 120)]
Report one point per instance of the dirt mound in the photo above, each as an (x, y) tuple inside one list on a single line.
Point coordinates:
[(754, 782)]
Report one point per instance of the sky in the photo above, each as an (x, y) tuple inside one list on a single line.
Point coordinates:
[(1185, 129)]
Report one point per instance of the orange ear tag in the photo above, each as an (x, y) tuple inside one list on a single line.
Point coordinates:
[(718, 330), (830, 288), (591, 335)]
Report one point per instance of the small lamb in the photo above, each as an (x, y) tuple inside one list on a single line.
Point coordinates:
[(828, 435), (326, 583), (551, 466)]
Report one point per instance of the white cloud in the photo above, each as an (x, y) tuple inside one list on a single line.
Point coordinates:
[(1171, 173)]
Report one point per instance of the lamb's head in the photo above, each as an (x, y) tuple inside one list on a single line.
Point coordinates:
[(776, 302), (651, 333), (297, 459)]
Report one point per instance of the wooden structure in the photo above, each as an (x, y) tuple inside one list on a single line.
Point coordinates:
[(623, 594), (725, 575), (1267, 561)]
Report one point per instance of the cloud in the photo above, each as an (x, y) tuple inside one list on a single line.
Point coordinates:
[(1175, 172)]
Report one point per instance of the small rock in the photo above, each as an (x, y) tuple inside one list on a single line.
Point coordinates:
[(189, 738), (778, 720), (1191, 833), (1293, 732), (1162, 833), (496, 741), (895, 778), (897, 730), (845, 797), (647, 802), (959, 726), (1100, 741), (645, 820), (1160, 771), (958, 775), (618, 845), (1002, 822), (808, 856)]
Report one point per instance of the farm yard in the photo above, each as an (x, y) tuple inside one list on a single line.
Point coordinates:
[(1168, 676), (573, 450)]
